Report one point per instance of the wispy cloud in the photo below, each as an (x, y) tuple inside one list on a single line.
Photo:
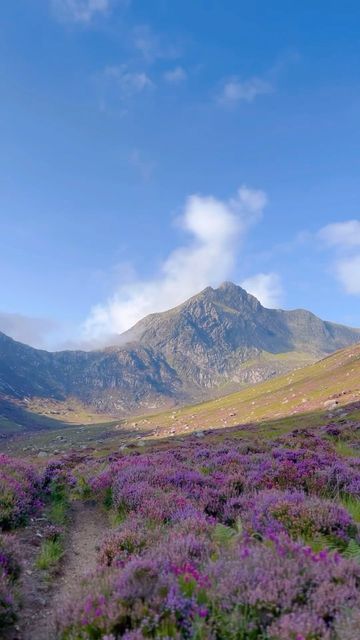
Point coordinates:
[(215, 229), (341, 234), (153, 46), (81, 11), (266, 287), (118, 86), (176, 75), (235, 91), (344, 239), (128, 82)]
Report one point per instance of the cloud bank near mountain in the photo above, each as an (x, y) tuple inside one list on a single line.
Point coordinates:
[(215, 231)]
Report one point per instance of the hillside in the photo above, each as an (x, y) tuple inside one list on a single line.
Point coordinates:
[(214, 343), (325, 390)]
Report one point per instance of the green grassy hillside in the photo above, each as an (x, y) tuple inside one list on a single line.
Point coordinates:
[(324, 388)]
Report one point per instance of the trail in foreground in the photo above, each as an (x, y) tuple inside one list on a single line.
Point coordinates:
[(86, 530)]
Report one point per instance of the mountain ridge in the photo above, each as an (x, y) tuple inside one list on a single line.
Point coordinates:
[(214, 342)]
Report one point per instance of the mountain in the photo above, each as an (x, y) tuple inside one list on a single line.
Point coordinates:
[(208, 338), (215, 342)]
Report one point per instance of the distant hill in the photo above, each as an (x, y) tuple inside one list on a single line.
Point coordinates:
[(215, 342)]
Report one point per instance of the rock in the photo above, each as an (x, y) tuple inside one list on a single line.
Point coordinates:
[(42, 454), (331, 404)]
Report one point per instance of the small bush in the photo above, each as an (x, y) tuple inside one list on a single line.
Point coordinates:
[(19, 492)]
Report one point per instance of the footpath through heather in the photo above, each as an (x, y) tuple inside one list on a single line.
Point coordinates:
[(41, 600)]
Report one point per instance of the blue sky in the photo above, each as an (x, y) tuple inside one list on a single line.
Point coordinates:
[(151, 148)]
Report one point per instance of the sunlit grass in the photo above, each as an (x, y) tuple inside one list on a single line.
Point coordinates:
[(51, 552), (352, 505)]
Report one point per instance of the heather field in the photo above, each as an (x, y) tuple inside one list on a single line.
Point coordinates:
[(217, 536)]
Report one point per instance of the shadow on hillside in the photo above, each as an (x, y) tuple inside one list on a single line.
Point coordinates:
[(30, 421)]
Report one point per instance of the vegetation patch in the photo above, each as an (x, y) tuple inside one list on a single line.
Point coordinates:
[(51, 552)]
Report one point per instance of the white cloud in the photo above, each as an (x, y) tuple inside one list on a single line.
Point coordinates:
[(344, 239), (146, 42), (235, 91), (153, 46), (176, 75), (128, 82), (266, 287), (214, 228), (82, 11), (347, 271), (342, 234)]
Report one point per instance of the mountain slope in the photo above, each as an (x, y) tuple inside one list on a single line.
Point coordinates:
[(109, 380), (324, 392), (215, 342)]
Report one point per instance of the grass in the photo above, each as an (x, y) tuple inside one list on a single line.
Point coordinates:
[(346, 450), (352, 505), (59, 505), (51, 552), (58, 512)]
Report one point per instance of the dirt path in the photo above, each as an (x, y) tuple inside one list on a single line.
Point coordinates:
[(41, 601)]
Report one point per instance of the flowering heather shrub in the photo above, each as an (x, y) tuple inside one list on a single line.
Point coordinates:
[(277, 589), (283, 578), (19, 491), (127, 541), (219, 482), (348, 625), (9, 572), (57, 473), (273, 512), (53, 532), (298, 626), (9, 564), (210, 545)]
